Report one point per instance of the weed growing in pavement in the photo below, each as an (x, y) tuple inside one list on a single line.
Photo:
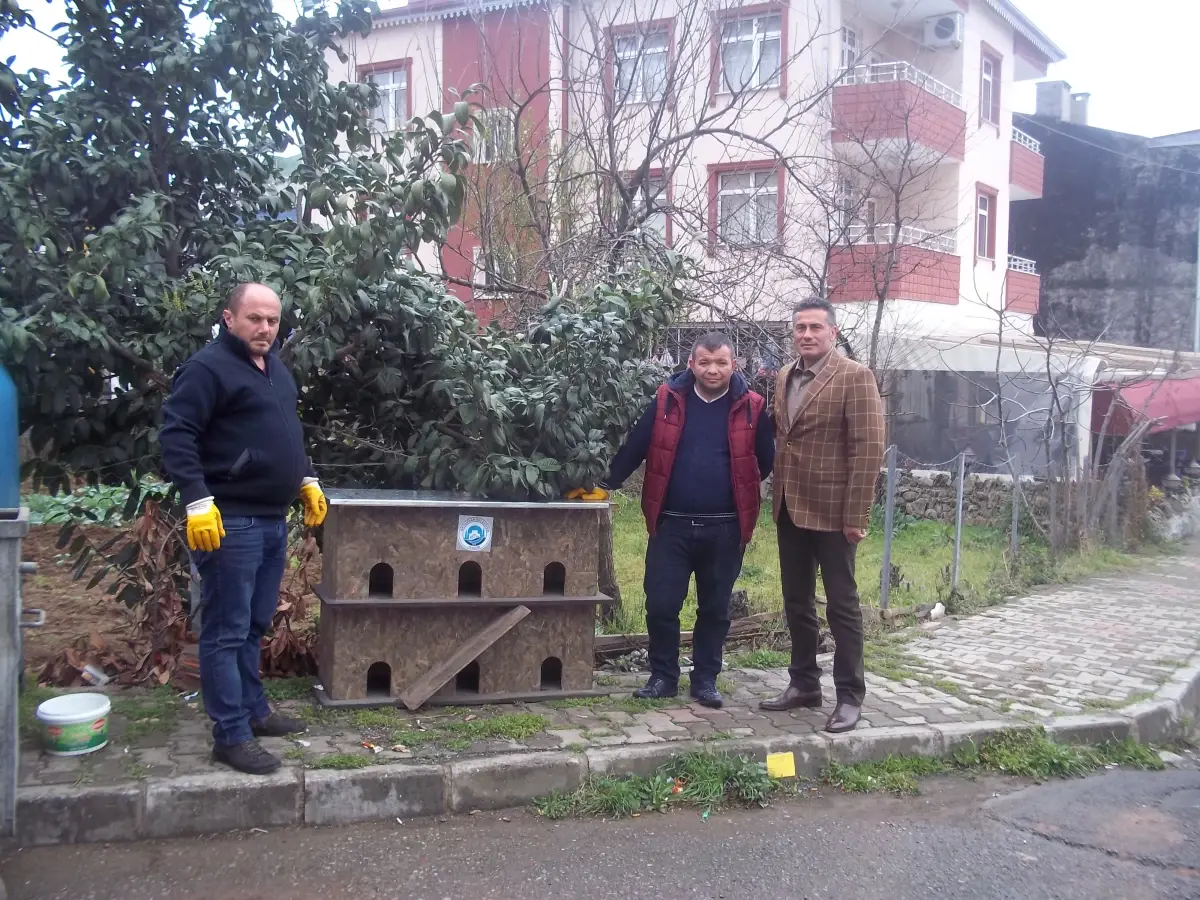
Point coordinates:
[(701, 779), (341, 761), (1024, 753), (1098, 705), (147, 714), (760, 659), (884, 656), (455, 735), (617, 703)]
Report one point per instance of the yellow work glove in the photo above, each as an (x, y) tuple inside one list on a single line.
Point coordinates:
[(315, 504), (204, 528), (594, 495)]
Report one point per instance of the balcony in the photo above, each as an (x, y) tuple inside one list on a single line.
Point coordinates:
[(896, 103), (1026, 167), (1022, 286), (919, 264)]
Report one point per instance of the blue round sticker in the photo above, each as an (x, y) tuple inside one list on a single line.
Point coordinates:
[(474, 535)]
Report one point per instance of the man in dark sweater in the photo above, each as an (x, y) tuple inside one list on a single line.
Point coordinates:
[(233, 445), (707, 444)]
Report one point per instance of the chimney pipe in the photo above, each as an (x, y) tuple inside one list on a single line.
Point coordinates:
[(1079, 109), (1054, 100)]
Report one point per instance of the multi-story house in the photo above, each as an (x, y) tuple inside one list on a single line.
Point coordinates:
[(862, 148), (1116, 231)]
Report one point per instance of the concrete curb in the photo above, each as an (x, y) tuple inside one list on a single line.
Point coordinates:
[(229, 801)]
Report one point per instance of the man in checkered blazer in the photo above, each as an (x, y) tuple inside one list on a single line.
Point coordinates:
[(829, 447)]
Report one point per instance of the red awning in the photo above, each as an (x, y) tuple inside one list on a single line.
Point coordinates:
[(1170, 403)]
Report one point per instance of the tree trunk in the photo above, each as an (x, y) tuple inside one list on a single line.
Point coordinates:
[(608, 567)]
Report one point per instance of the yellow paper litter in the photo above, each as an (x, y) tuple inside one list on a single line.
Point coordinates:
[(781, 765)]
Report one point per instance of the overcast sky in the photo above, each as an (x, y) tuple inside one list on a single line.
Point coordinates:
[(1135, 59)]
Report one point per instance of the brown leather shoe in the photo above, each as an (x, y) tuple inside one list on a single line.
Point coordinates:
[(845, 718), (792, 698)]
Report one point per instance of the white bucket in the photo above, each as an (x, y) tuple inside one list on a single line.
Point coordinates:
[(74, 724)]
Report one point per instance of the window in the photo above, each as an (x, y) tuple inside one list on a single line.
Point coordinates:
[(492, 269), (989, 89), (748, 208), (856, 208), (649, 209), (391, 111), (496, 140), (751, 53), (985, 224), (642, 65), (849, 48)]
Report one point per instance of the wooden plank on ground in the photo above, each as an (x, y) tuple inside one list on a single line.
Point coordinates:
[(429, 683), (609, 644)]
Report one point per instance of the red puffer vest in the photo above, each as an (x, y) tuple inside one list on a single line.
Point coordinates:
[(664, 442)]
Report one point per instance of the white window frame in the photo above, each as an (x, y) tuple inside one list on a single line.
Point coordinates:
[(760, 35), (988, 107), (487, 276), (849, 48), (765, 182), (654, 222), (984, 210), (497, 143), (384, 115), (636, 49)]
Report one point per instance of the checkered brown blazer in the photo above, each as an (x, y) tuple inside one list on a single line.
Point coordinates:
[(828, 459)]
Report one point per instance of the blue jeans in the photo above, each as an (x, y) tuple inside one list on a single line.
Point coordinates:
[(682, 547), (240, 585)]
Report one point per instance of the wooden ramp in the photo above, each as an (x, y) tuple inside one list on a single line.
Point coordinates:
[(429, 683)]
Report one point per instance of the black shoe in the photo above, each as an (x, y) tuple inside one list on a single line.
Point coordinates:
[(276, 725), (248, 757), (656, 689), (709, 696)]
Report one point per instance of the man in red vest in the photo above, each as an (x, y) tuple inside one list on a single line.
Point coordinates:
[(707, 444)]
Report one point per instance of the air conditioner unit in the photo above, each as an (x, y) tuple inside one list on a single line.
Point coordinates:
[(944, 31)]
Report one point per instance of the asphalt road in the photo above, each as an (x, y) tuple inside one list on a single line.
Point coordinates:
[(1126, 835)]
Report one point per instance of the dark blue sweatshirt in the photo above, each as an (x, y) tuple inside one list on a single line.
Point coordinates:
[(702, 477), (231, 431)]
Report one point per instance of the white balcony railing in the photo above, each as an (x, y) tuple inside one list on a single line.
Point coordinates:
[(910, 236), (1026, 141), (1021, 264), (881, 73)]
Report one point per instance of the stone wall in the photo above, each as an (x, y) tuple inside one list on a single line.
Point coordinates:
[(986, 498)]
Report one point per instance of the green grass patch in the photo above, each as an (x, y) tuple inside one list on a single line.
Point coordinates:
[(280, 689), (699, 779), (33, 696), (884, 655), (341, 761), (459, 735), (375, 719), (923, 551), (616, 703), (760, 659), (1023, 753), (896, 774), (147, 714)]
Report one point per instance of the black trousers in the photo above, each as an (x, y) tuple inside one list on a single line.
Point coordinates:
[(712, 551), (801, 551)]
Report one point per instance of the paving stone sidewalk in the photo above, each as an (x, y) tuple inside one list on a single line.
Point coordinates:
[(1092, 646)]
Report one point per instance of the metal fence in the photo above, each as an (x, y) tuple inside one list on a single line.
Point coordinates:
[(958, 468)]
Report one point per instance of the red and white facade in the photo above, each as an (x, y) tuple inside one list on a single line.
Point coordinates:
[(883, 76)]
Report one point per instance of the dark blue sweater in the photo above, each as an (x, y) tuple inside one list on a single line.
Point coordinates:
[(702, 477), (231, 431)]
